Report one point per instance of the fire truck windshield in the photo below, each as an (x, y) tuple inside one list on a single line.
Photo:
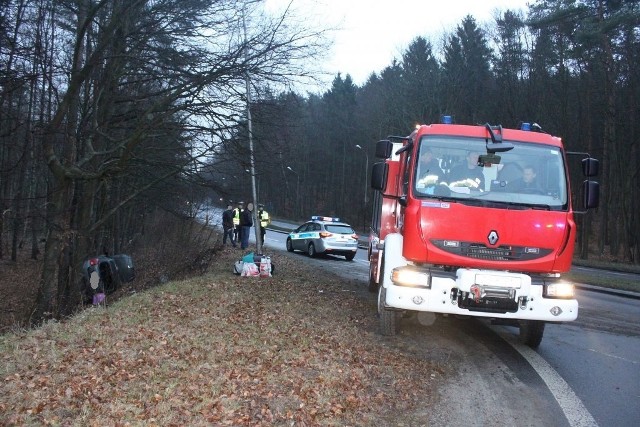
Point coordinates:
[(531, 175)]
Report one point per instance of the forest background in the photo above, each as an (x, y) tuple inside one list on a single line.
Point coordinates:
[(114, 110)]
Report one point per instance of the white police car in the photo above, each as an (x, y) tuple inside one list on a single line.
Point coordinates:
[(326, 235)]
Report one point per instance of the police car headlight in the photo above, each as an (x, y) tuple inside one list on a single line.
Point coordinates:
[(403, 276), (559, 290)]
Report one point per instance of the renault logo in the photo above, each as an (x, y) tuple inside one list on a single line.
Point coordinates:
[(493, 237)]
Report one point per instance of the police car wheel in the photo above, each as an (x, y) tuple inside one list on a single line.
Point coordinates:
[(289, 245), (311, 250), (350, 257)]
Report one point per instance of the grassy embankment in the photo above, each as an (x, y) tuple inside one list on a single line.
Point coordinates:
[(300, 348)]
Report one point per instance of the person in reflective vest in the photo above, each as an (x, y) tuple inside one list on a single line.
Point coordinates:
[(263, 217), (236, 220)]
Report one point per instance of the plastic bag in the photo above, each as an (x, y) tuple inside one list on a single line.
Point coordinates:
[(237, 267), (250, 269), (99, 298), (265, 266)]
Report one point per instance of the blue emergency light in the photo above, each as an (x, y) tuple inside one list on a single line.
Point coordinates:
[(325, 218), (525, 126), (447, 120)]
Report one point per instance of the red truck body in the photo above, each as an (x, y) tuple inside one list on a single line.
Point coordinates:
[(485, 247)]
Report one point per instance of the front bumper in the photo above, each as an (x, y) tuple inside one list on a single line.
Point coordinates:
[(483, 293), (337, 248)]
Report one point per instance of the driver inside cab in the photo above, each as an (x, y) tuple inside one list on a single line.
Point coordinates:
[(526, 183)]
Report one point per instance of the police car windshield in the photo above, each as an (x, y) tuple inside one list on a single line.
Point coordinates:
[(530, 174), (339, 229)]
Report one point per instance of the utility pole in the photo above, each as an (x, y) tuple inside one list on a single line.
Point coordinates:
[(256, 222)]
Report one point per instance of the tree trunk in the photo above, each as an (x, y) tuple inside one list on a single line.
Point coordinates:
[(48, 301)]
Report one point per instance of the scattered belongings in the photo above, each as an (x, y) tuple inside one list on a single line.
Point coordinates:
[(254, 265)]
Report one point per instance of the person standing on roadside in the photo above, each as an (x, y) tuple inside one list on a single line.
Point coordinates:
[(236, 220), (246, 221), (263, 217), (228, 226)]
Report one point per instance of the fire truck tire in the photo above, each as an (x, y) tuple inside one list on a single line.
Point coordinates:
[(289, 245), (531, 332), (388, 318), (373, 286), (311, 250)]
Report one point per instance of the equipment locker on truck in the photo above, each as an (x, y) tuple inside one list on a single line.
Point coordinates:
[(483, 227)]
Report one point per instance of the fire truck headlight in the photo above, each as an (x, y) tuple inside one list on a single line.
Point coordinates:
[(559, 290), (403, 276)]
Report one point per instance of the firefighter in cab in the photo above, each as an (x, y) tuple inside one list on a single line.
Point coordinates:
[(263, 217)]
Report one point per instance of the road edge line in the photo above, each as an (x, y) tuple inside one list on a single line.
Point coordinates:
[(574, 410)]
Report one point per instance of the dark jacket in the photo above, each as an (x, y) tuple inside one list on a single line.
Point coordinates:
[(246, 218), (519, 185), (227, 218)]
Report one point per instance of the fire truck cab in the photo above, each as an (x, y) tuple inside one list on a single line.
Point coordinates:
[(475, 221)]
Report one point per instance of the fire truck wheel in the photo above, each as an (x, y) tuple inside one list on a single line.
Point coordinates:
[(388, 318), (531, 332), (289, 245), (373, 286), (311, 250)]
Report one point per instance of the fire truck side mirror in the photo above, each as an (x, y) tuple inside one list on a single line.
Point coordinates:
[(384, 149), (379, 176), (590, 166), (591, 192)]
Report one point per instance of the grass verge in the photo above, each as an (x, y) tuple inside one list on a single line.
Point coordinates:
[(608, 281), (299, 348)]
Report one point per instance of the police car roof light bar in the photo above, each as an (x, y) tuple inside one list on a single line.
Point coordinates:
[(325, 218)]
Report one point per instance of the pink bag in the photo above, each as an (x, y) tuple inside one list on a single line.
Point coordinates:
[(250, 269)]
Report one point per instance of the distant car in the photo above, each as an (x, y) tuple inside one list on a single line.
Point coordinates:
[(324, 235)]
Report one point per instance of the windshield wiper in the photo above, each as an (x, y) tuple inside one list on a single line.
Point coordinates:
[(469, 202), (443, 198), (527, 206)]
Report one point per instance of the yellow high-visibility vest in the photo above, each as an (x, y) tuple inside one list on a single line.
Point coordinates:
[(264, 219), (236, 216)]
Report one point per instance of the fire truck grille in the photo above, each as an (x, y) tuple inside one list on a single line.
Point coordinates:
[(482, 251)]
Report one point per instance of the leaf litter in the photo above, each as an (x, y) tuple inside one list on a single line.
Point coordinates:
[(300, 348)]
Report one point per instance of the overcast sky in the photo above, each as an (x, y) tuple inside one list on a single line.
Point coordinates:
[(370, 33)]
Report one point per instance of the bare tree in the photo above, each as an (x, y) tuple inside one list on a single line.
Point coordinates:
[(149, 84)]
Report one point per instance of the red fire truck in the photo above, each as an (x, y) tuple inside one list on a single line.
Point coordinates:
[(475, 221)]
